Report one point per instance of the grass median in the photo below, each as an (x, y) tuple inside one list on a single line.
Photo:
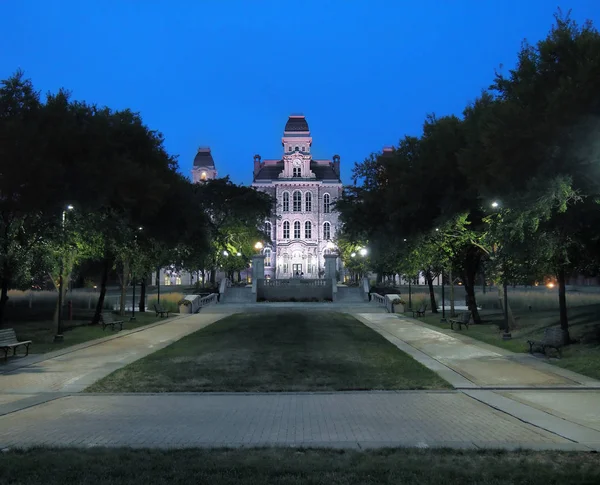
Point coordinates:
[(275, 351)]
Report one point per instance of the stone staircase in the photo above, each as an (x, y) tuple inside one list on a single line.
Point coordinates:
[(238, 295), (349, 295)]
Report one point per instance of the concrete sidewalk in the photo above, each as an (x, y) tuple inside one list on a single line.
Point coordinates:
[(73, 370), (467, 363)]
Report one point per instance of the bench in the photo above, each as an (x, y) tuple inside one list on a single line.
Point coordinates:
[(464, 319), (553, 339), (8, 340), (421, 311), (108, 319), (160, 310)]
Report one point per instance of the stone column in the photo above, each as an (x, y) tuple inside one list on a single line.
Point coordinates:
[(258, 269), (330, 263)]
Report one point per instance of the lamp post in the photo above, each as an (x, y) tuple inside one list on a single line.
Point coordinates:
[(59, 334), (132, 318), (506, 335)]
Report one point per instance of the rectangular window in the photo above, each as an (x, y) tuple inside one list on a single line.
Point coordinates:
[(297, 230), (286, 202), (297, 172), (308, 202), (286, 230), (307, 230)]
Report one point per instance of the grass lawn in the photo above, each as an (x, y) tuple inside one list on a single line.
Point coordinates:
[(582, 357), (275, 351), (42, 333), (279, 466)]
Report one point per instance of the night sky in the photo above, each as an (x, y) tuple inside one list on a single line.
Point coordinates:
[(226, 74)]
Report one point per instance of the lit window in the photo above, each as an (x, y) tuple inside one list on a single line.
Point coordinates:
[(297, 230), (268, 229), (297, 201), (308, 202), (178, 280), (286, 202), (327, 231), (326, 204), (286, 266), (267, 257), (167, 280), (297, 172), (203, 176), (307, 230), (286, 230)]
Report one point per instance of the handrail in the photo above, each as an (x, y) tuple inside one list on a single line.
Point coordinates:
[(199, 302)]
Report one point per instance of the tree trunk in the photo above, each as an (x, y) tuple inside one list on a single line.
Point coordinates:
[(562, 302), (4, 291), (469, 274), (100, 304), (429, 278), (124, 283), (213, 276), (511, 318), (143, 294), (158, 285)]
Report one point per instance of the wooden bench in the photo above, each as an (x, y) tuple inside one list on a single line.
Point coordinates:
[(464, 319), (160, 310), (553, 339), (8, 340), (108, 319), (420, 312)]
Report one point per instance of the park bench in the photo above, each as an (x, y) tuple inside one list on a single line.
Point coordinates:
[(160, 310), (8, 340), (420, 312), (108, 319), (553, 339), (464, 319)]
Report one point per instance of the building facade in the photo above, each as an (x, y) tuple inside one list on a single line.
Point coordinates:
[(204, 166), (305, 222)]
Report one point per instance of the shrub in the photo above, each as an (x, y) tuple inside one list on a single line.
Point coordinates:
[(169, 301)]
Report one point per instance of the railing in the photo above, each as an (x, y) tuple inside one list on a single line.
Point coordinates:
[(198, 301), (379, 300), (295, 282)]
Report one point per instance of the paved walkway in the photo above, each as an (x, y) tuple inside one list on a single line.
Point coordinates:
[(527, 404)]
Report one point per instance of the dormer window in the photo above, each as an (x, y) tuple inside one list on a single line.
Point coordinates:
[(297, 172), (303, 149), (203, 176), (297, 149)]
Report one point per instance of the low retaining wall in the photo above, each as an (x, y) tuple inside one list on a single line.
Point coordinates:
[(298, 289)]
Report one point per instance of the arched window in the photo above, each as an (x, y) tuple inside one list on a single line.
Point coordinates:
[(326, 204), (268, 229), (267, 254), (307, 230), (286, 263), (327, 231), (286, 230), (297, 201), (308, 202), (297, 230), (286, 202)]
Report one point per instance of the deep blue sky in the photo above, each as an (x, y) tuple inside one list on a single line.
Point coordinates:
[(227, 73)]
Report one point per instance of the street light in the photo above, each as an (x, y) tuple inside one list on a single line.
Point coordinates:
[(506, 335), (225, 253), (132, 318), (352, 255), (258, 246), (238, 254), (59, 336), (363, 252)]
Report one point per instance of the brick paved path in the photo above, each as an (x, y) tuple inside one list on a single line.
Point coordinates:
[(337, 419), (40, 404)]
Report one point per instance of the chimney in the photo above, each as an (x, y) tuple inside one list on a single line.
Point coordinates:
[(257, 164), (336, 164)]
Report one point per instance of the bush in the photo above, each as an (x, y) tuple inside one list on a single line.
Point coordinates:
[(169, 301)]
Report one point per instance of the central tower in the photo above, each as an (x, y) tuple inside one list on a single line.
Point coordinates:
[(296, 142)]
